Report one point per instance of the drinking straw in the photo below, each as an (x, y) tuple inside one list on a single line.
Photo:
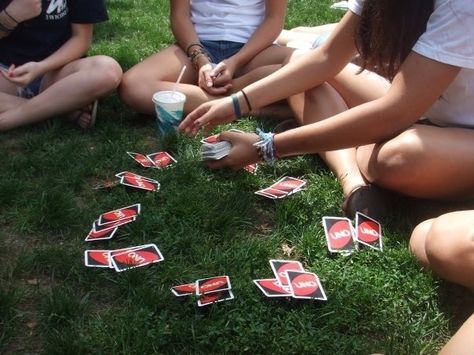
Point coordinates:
[(179, 78)]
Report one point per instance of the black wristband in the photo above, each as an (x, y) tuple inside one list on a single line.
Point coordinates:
[(246, 100)]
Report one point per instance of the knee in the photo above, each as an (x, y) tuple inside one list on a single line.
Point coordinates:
[(107, 73), (392, 164), (417, 242)]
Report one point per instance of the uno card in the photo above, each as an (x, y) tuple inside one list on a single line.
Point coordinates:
[(140, 183), (161, 159), (271, 193), (279, 268), (215, 297), (212, 284), (339, 234), (211, 139), (272, 288), (368, 231), (289, 184), (119, 214), (184, 289), (251, 168), (305, 285), (141, 159), (136, 257), (100, 235), (96, 227), (97, 258), (129, 174)]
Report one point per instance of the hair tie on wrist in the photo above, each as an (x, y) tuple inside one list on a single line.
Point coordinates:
[(246, 100), (236, 103), (13, 19)]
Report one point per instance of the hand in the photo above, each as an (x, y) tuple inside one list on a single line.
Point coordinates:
[(24, 74), (22, 10), (223, 73), (208, 115), (242, 153), (206, 81)]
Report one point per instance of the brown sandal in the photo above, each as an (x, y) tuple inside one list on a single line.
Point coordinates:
[(367, 199)]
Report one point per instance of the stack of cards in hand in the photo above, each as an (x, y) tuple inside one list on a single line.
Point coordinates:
[(213, 149), (342, 238), (291, 281), (158, 160), (128, 178), (210, 290), (284, 187), (107, 224), (123, 259)]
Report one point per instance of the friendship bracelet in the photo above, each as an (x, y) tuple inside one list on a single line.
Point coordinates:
[(192, 45), (6, 12), (266, 147), (246, 100), (236, 103)]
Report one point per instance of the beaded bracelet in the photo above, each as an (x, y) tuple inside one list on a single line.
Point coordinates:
[(193, 45), (266, 147)]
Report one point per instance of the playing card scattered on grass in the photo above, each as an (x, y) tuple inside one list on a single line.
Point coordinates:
[(210, 290)]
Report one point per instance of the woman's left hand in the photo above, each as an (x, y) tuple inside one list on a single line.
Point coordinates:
[(242, 153), (24, 74)]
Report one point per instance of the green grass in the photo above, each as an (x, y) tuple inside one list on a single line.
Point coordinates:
[(205, 223)]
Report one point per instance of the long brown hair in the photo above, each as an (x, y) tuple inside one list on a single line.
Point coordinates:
[(388, 31)]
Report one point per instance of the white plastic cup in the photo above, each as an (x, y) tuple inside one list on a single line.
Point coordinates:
[(169, 107)]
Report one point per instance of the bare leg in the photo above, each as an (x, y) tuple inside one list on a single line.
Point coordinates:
[(75, 85), (462, 343), (8, 96)]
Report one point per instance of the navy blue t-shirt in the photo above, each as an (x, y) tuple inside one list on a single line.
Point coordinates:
[(36, 39)]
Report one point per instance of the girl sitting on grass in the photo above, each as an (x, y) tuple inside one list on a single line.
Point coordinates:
[(44, 71), (219, 42), (409, 130)]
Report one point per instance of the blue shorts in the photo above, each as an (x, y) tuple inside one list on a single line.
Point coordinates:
[(220, 50), (29, 91)]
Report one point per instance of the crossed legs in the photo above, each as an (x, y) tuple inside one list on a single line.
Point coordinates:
[(70, 88)]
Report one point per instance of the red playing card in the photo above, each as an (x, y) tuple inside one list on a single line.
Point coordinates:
[(118, 214), (129, 174), (339, 234), (161, 159), (211, 139), (140, 183), (251, 168), (368, 231), (272, 193), (289, 184), (184, 289), (272, 288), (305, 285), (97, 258), (109, 226), (212, 284), (280, 266), (215, 297), (136, 257), (100, 235), (141, 159)]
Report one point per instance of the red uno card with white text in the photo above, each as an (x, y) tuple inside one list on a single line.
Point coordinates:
[(271, 193), (161, 159), (136, 257), (339, 234), (251, 168), (114, 224), (305, 285), (141, 159), (100, 235), (272, 288), (211, 139), (212, 284), (289, 184), (97, 258), (184, 289), (129, 174), (214, 297), (119, 214), (279, 268), (368, 231), (139, 183)]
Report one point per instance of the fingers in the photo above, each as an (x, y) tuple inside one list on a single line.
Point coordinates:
[(190, 125), (218, 69), (219, 90)]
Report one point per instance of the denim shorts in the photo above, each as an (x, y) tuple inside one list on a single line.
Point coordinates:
[(29, 91), (220, 50)]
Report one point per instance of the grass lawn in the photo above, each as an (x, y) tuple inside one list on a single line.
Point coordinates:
[(206, 224)]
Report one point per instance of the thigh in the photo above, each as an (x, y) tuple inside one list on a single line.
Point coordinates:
[(165, 66), (7, 87), (357, 88), (423, 161), (269, 56)]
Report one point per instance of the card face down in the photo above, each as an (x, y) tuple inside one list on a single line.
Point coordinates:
[(280, 267), (339, 234), (139, 183), (136, 257), (184, 289), (119, 214), (272, 288), (214, 297), (97, 258), (212, 284), (100, 235), (305, 285), (368, 231), (161, 159), (289, 184), (141, 159)]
